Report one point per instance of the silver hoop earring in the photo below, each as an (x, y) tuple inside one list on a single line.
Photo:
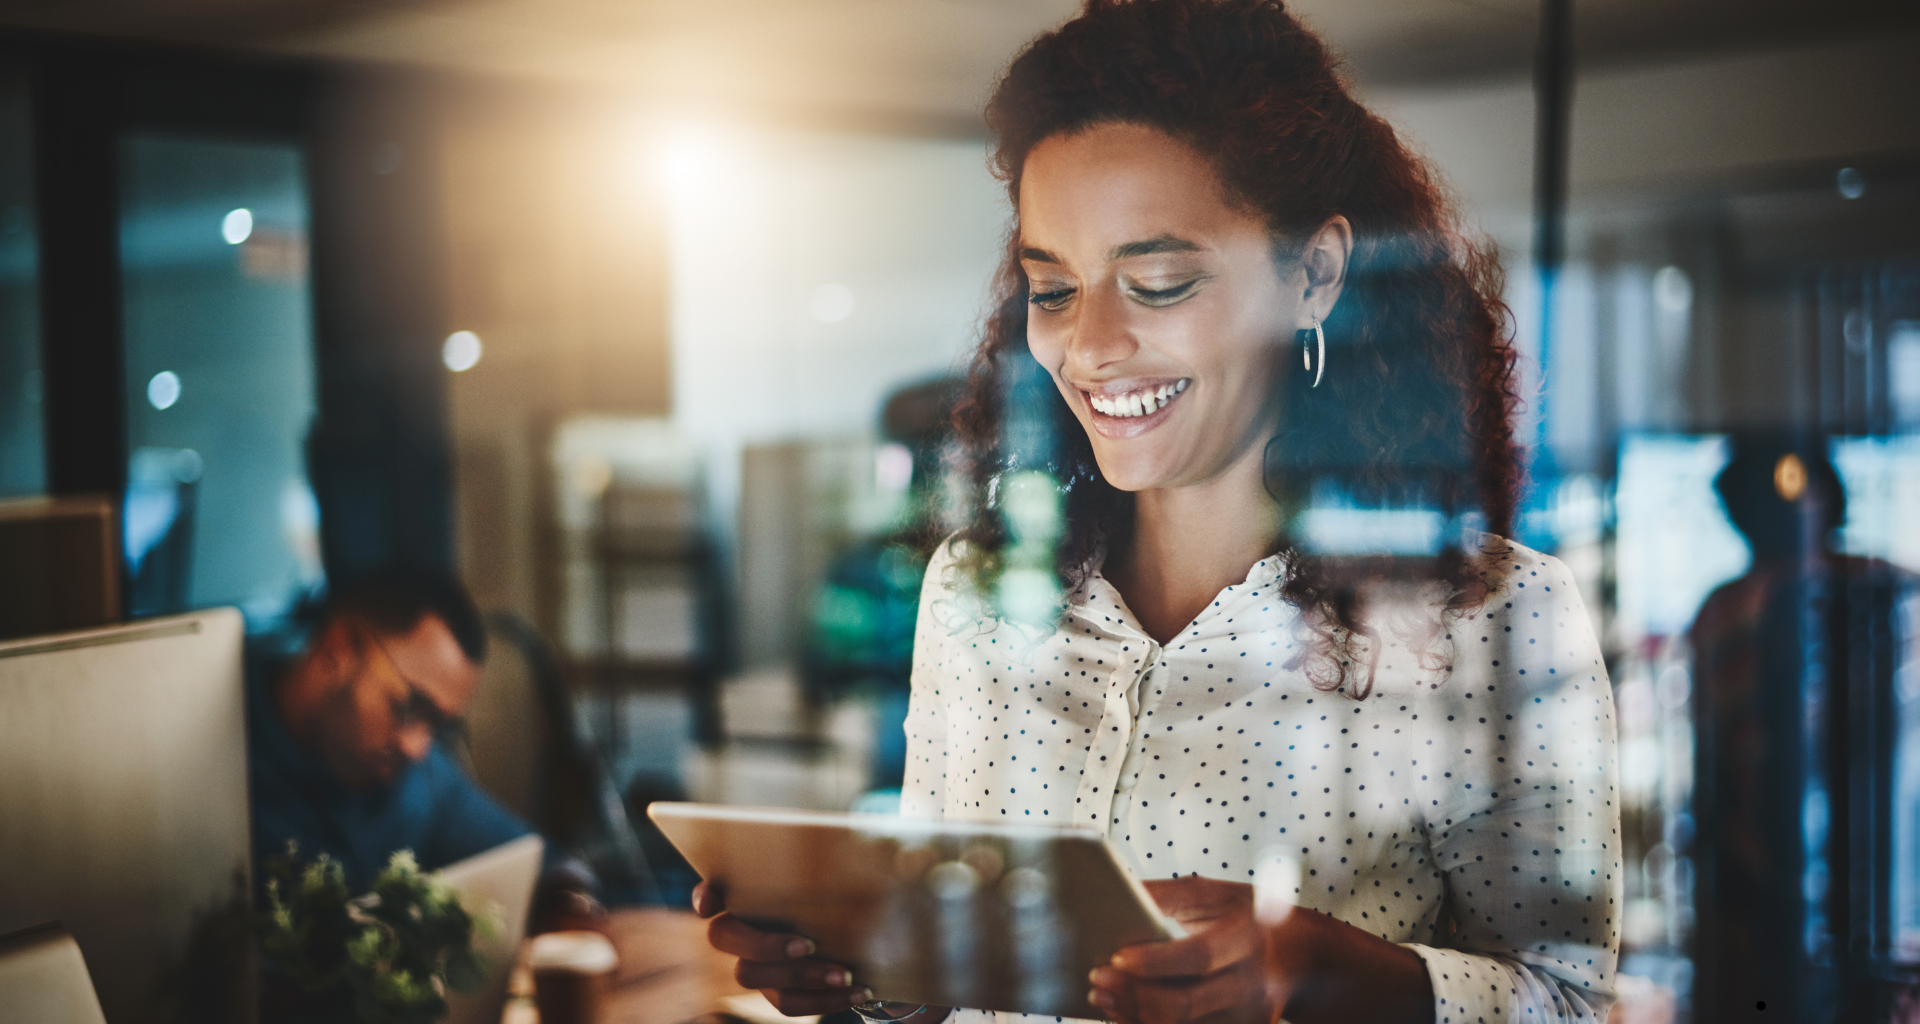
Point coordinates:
[(1307, 352)]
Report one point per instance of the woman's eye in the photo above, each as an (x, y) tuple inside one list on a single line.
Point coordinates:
[(1051, 301), (1162, 296)]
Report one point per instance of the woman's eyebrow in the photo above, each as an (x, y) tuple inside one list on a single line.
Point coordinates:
[(1152, 246), (1125, 250)]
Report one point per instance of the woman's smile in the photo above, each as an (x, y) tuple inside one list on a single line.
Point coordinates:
[(1129, 408)]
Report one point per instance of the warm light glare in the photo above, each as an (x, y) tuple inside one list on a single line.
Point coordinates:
[(697, 160), (236, 226), (461, 351), (681, 165), (164, 389), (831, 303), (686, 153), (1790, 477)]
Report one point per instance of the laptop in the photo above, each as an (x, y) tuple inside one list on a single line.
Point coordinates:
[(496, 885), (44, 979)]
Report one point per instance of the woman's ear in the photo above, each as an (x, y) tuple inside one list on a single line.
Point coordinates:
[(1325, 262)]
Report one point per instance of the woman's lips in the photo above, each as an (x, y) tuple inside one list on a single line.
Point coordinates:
[(1132, 412)]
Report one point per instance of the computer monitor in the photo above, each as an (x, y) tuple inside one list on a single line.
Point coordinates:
[(123, 809)]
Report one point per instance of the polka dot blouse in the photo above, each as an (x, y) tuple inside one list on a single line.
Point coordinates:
[(1469, 814)]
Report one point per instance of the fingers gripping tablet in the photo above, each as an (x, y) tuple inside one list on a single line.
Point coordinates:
[(995, 918)]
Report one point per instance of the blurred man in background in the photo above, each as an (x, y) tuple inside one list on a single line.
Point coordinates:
[(345, 739)]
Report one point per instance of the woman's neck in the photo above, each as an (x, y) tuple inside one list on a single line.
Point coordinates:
[(1191, 542)]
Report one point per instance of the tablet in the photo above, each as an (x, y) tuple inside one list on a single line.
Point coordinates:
[(943, 913)]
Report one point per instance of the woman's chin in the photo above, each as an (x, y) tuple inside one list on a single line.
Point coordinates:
[(1133, 474)]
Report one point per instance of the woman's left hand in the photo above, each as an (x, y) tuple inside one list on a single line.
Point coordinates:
[(1228, 970)]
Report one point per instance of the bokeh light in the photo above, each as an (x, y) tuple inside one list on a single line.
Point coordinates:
[(461, 351), (236, 226), (163, 390)]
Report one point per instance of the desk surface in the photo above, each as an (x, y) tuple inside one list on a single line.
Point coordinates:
[(668, 973)]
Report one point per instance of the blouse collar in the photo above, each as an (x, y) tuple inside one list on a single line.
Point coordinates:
[(1253, 603)]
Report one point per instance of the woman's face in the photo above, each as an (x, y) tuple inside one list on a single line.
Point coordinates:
[(1157, 308)]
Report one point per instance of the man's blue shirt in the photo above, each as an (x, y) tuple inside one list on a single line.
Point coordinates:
[(434, 808)]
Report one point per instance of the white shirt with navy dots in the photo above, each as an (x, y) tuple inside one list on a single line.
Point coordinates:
[(1469, 814)]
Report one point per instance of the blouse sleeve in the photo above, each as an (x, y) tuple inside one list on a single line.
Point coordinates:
[(1522, 816), (923, 790)]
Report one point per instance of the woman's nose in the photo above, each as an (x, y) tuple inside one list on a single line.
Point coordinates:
[(1101, 333)]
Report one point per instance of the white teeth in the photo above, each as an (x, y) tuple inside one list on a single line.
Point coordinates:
[(1138, 403)]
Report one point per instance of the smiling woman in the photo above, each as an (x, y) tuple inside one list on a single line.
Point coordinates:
[(1257, 190), (1243, 288)]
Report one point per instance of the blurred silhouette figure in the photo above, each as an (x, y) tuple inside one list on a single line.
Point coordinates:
[(1794, 665), (861, 642)]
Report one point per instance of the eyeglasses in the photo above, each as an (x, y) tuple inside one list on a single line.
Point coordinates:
[(415, 707)]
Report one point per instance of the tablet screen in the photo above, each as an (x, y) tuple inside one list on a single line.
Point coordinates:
[(947, 914)]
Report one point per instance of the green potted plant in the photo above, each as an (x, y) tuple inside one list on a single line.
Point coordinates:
[(387, 957)]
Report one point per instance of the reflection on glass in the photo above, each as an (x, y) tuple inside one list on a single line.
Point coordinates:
[(1674, 543), (219, 375), (1905, 883), (22, 445), (1882, 480), (1881, 476), (157, 525)]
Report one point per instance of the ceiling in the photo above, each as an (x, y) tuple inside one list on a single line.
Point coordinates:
[(928, 59)]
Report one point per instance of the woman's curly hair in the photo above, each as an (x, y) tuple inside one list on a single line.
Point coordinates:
[(1416, 404)]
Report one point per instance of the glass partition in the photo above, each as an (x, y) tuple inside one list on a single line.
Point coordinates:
[(220, 378)]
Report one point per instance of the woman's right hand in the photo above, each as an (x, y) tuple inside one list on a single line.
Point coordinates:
[(781, 965)]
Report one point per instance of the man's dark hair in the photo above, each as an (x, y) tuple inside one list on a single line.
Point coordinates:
[(395, 600), (1773, 523)]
